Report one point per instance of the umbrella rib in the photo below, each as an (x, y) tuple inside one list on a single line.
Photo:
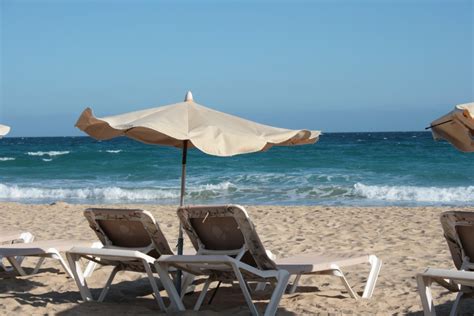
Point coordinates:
[(431, 126)]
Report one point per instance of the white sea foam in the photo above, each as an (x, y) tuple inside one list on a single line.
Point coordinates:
[(415, 193), (213, 187), (16, 192), (7, 158), (47, 153), (46, 159), (114, 151), (110, 193)]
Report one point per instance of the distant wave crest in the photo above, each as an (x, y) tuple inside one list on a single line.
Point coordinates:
[(114, 151), (47, 153), (7, 158), (415, 193)]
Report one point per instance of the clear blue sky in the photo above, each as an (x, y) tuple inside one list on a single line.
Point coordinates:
[(329, 65)]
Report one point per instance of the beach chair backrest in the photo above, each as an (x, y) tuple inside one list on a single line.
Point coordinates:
[(128, 228), (224, 229), (459, 233)]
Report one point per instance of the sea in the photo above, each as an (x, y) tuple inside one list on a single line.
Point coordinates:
[(362, 169)]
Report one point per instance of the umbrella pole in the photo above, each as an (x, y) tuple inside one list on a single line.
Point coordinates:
[(181, 203)]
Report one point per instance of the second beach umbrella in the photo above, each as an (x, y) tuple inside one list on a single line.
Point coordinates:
[(457, 127), (187, 125)]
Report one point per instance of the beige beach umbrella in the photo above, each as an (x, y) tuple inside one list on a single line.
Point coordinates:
[(188, 124), (4, 130), (457, 127)]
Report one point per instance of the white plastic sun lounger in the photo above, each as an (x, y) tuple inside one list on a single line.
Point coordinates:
[(459, 233), (132, 242), (229, 248), (307, 264), (44, 249), (10, 237)]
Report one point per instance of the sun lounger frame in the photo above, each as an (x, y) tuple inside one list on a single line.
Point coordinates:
[(266, 271), (44, 249), (10, 237), (461, 280), (122, 258)]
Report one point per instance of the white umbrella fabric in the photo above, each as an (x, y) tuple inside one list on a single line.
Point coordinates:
[(4, 130)]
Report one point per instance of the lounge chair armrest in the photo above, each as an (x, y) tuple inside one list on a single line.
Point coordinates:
[(179, 261), (112, 254), (195, 259), (461, 277)]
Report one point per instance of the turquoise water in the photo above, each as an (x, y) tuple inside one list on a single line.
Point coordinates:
[(341, 169)]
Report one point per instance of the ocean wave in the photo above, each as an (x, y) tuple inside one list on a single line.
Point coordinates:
[(114, 151), (7, 158), (15, 192), (212, 187), (47, 153), (47, 159), (415, 193), (109, 193), (226, 192)]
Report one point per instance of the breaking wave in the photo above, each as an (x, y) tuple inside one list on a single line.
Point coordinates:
[(7, 158), (415, 193), (47, 153), (109, 194), (15, 192)]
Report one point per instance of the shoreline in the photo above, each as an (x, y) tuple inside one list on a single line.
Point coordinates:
[(407, 239)]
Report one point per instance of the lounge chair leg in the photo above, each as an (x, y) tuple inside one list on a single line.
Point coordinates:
[(90, 269), (92, 264), (282, 282), (170, 288), (202, 295), (260, 286), (57, 256), (16, 266), (107, 285), (79, 277), (376, 265), (424, 288), (186, 282), (454, 309), (2, 266), (245, 291), (214, 293), (295, 284), (38, 265), (338, 272), (154, 286)]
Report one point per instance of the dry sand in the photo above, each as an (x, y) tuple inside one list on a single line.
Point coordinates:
[(406, 239)]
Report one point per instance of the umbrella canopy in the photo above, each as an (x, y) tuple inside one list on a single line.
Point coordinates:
[(457, 127), (212, 132), (4, 130)]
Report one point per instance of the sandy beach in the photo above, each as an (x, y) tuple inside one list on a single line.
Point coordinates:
[(406, 239)]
